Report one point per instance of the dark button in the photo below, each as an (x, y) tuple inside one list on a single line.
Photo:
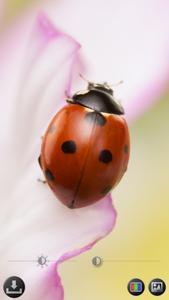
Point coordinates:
[(157, 287), (136, 287), (14, 287)]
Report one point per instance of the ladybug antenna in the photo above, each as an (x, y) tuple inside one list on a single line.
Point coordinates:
[(117, 84), (83, 77), (89, 82)]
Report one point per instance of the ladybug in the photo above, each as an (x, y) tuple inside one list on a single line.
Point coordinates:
[(85, 149)]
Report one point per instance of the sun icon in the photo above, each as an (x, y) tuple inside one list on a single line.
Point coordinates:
[(42, 261)]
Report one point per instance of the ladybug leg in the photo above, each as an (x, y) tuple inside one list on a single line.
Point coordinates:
[(68, 97), (69, 100), (39, 161), (42, 181)]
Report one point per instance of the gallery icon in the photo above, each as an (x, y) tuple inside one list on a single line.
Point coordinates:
[(14, 287), (136, 287), (157, 287)]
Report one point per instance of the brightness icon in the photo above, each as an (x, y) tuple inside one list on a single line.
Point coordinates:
[(42, 261)]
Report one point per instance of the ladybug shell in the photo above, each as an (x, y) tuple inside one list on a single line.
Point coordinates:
[(84, 154)]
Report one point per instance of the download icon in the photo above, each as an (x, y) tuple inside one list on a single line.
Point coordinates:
[(14, 287)]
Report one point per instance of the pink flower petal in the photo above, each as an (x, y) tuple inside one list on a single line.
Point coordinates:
[(30, 210), (47, 283), (88, 247)]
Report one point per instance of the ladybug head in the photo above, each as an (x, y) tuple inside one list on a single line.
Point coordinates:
[(101, 86), (99, 97)]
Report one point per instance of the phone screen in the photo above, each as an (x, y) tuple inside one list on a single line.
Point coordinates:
[(84, 150)]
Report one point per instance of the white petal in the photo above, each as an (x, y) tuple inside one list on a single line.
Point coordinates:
[(32, 220)]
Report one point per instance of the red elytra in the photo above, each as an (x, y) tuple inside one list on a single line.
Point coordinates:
[(85, 149)]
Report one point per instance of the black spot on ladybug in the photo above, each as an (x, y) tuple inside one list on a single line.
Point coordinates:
[(96, 117), (105, 156), (49, 175), (126, 149), (106, 190), (69, 147), (51, 128)]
